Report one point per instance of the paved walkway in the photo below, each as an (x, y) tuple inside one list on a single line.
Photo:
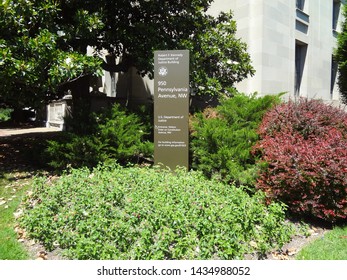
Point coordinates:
[(22, 131)]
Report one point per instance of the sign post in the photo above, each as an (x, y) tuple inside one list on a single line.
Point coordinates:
[(171, 108)]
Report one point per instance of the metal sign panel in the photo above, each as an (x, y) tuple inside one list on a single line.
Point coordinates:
[(171, 108)]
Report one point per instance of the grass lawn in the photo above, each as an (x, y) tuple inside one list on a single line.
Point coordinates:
[(333, 246), (12, 188)]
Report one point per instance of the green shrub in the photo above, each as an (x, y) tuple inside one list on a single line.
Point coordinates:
[(115, 134), (5, 114), (140, 213), (222, 138), (304, 144), (72, 150)]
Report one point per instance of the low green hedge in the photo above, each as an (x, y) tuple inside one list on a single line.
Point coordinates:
[(140, 213), (113, 134)]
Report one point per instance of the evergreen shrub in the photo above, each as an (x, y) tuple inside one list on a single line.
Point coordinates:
[(114, 134), (222, 137), (303, 145), (115, 213)]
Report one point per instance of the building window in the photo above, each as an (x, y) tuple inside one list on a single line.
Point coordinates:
[(300, 57), (300, 4), (336, 12)]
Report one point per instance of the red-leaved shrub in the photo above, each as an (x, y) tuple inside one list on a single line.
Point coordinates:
[(304, 147)]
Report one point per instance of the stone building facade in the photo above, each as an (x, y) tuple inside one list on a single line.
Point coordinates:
[(291, 43)]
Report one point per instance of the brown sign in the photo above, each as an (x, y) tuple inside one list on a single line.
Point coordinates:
[(171, 108)]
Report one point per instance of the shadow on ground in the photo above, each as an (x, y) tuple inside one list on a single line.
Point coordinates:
[(23, 151)]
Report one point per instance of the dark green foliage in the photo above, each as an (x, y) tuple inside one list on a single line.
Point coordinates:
[(341, 57), (34, 57), (140, 213), (223, 137), (114, 134), (74, 150)]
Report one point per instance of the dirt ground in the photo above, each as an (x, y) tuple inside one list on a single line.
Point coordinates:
[(290, 250)]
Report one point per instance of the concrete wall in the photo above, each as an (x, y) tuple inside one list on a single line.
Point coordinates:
[(272, 28)]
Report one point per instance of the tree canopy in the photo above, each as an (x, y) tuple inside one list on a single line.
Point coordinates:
[(341, 57), (43, 43)]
